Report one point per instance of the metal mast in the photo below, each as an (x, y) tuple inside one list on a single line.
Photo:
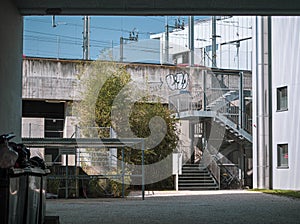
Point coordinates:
[(214, 42), (166, 40), (86, 37), (191, 41)]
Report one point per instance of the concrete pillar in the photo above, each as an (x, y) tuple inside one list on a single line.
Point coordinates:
[(11, 44)]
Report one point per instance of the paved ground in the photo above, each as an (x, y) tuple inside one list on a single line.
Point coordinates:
[(234, 207)]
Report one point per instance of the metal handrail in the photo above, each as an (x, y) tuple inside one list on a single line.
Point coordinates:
[(229, 175), (232, 111), (212, 166)]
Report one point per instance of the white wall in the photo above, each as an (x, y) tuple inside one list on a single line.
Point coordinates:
[(184, 145), (70, 127), (34, 128), (286, 124)]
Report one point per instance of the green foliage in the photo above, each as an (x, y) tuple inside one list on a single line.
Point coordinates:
[(53, 186), (287, 193), (114, 186), (110, 99), (94, 188), (101, 81), (166, 184), (107, 94), (141, 114)]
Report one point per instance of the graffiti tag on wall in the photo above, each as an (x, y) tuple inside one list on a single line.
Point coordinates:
[(177, 81)]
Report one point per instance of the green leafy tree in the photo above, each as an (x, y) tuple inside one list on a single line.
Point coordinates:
[(103, 82)]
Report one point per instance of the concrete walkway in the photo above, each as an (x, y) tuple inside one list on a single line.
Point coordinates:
[(234, 207)]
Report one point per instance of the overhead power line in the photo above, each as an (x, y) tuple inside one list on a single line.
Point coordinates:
[(92, 26)]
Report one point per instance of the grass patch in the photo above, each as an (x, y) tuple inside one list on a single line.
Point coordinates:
[(286, 193)]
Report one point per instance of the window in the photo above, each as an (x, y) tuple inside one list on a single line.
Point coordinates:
[(282, 98), (282, 156)]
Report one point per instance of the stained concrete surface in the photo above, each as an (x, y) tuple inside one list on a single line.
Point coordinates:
[(234, 207)]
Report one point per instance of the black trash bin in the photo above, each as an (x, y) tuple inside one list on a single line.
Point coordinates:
[(13, 187), (22, 195), (36, 195)]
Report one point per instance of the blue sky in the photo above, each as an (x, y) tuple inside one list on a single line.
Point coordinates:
[(65, 40)]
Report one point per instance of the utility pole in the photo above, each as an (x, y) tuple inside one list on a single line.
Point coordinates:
[(178, 25), (214, 42), (166, 40), (191, 41), (133, 36), (121, 49), (86, 37)]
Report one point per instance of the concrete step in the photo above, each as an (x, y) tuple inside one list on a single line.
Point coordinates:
[(198, 188), (196, 177)]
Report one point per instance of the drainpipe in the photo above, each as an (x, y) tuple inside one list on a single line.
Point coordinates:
[(242, 103), (264, 103), (270, 103), (259, 112), (204, 73)]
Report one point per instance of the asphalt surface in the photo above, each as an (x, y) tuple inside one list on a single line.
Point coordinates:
[(234, 207)]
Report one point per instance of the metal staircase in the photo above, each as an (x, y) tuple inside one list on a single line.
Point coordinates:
[(225, 104), (224, 112), (196, 177)]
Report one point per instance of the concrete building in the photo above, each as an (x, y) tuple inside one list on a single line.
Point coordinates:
[(206, 102)]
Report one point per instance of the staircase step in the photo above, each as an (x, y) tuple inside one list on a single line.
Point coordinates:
[(198, 188), (195, 184), (191, 182), (196, 177)]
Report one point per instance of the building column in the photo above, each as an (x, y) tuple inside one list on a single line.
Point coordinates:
[(11, 45), (262, 101)]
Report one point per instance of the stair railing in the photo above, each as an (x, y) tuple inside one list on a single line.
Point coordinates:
[(232, 112), (212, 166), (229, 174), (224, 171)]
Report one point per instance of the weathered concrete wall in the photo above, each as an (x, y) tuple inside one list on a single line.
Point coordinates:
[(58, 79), (166, 81), (33, 127), (50, 79)]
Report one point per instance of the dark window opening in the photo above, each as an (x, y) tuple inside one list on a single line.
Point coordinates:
[(282, 156), (282, 98)]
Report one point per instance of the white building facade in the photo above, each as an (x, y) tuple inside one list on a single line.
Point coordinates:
[(276, 152), (233, 42)]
